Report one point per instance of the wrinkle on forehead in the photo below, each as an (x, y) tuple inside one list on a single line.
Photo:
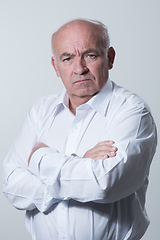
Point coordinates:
[(72, 33)]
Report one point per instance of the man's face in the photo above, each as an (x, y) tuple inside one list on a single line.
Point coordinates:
[(80, 62)]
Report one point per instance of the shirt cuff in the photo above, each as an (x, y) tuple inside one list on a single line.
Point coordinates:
[(37, 158)]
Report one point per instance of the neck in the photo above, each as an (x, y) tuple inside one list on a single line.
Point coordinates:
[(76, 102)]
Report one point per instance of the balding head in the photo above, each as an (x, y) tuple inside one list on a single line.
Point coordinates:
[(97, 29)]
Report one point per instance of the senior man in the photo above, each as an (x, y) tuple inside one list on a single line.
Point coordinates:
[(80, 163)]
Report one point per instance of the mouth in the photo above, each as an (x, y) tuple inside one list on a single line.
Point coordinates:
[(82, 81)]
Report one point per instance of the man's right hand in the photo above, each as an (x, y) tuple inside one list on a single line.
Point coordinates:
[(102, 151)]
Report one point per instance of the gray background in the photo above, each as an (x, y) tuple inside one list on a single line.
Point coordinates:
[(26, 73)]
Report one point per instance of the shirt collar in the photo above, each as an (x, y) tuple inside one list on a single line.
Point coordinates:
[(99, 102), (61, 99)]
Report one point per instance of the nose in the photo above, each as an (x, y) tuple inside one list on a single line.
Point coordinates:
[(80, 67)]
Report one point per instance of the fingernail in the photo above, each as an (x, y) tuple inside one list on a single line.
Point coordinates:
[(112, 152)]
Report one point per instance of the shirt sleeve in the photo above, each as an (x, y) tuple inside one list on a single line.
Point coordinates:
[(22, 188), (103, 181)]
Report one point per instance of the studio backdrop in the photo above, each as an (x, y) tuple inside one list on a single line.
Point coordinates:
[(26, 73)]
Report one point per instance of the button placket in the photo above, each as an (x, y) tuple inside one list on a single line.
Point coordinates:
[(62, 220), (74, 132)]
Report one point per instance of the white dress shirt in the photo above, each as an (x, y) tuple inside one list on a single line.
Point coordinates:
[(74, 198)]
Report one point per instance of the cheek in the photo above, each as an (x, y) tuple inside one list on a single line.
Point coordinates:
[(103, 70), (97, 67), (96, 72), (64, 72), (100, 73), (66, 79)]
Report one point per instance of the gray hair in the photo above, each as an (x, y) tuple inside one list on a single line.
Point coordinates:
[(104, 36), (104, 33)]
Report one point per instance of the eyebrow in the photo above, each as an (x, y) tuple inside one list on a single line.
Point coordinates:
[(65, 54), (90, 50)]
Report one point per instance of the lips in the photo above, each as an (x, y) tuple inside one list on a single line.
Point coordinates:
[(82, 80)]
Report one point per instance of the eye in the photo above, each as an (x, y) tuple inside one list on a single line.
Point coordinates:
[(91, 56), (66, 59)]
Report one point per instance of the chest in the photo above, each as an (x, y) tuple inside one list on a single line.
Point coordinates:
[(70, 134)]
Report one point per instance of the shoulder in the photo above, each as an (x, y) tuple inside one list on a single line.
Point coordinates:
[(47, 101), (45, 106), (126, 98), (125, 105)]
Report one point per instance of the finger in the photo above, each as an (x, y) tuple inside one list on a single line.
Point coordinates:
[(99, 153), (107, 142), (105, 153), (104, 149), (114, 149), (110, 142), (112, 154), (105, 157)]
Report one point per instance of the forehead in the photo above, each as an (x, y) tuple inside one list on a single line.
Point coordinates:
[(75, 38)]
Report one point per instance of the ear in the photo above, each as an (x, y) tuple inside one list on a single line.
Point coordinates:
[(54, 64), (111, 56)]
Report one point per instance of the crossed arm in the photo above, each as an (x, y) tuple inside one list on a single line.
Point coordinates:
[(102, 150), (49, 178)]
